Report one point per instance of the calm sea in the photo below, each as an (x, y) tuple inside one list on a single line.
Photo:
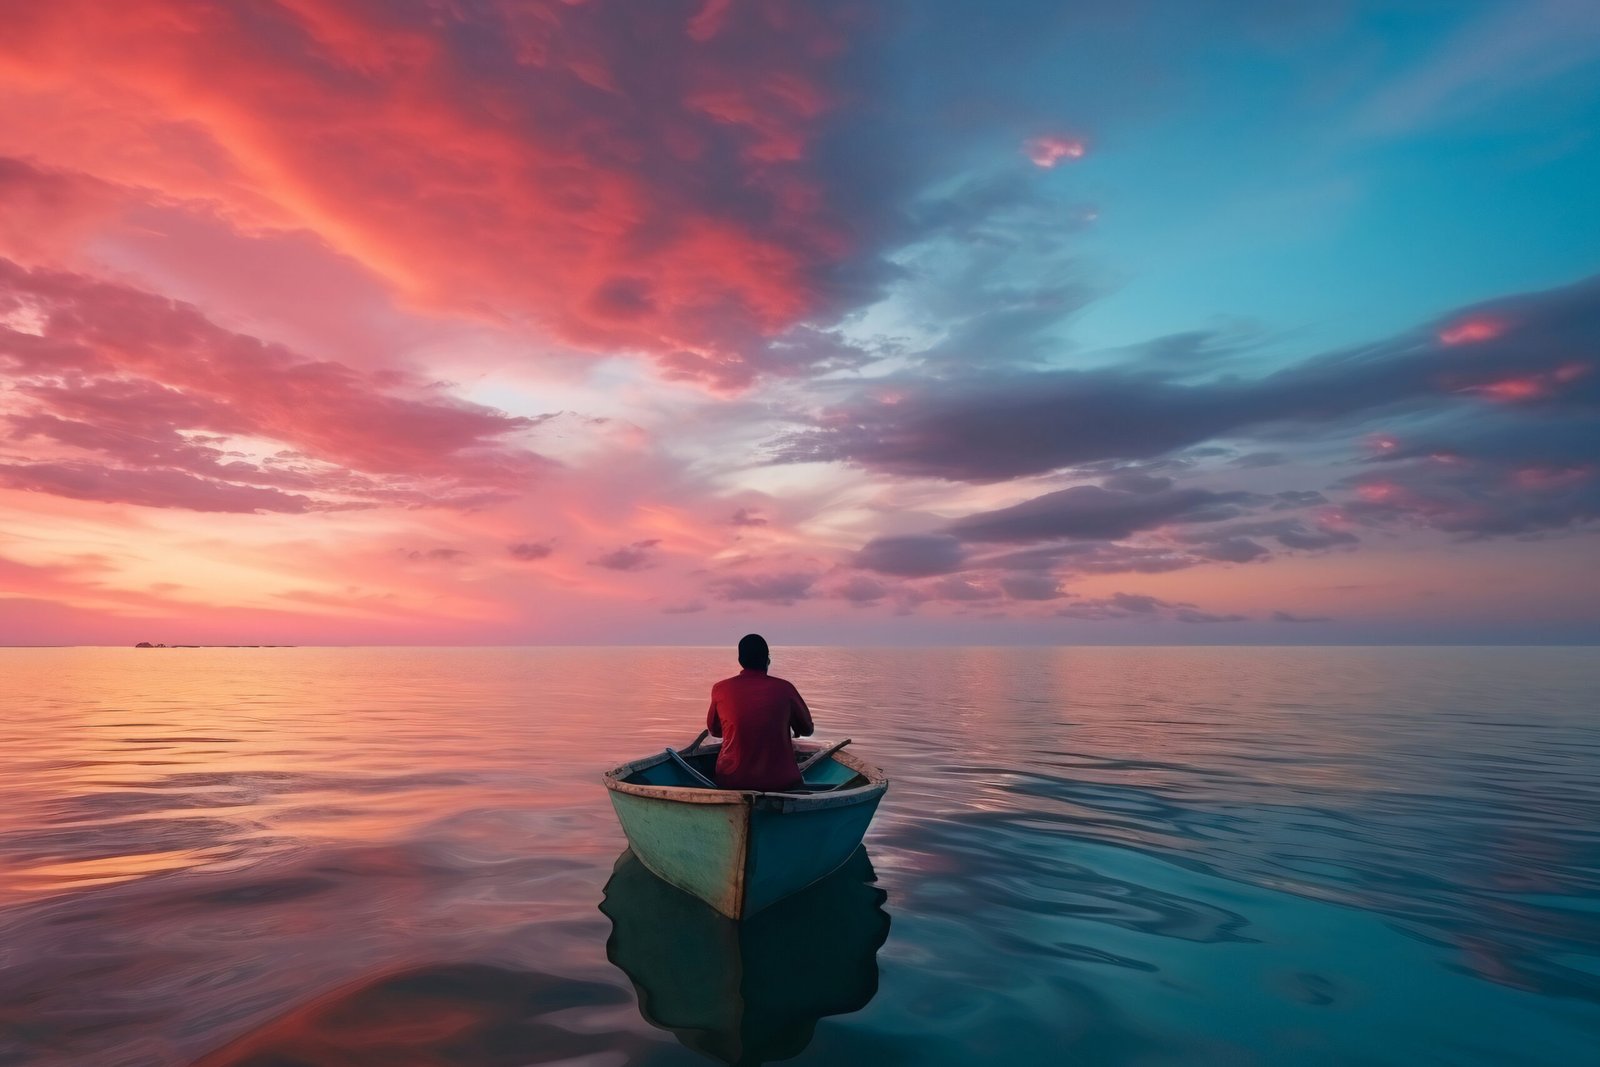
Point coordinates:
[(398, 858)]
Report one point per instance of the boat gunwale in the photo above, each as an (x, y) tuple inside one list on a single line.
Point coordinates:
[(876, 785)]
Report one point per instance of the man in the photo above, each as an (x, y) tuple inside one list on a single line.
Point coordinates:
[(754, 713)]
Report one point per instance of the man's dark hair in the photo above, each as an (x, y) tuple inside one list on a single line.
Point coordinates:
[(753, 654)]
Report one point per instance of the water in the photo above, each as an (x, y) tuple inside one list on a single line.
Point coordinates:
[(345, 857)]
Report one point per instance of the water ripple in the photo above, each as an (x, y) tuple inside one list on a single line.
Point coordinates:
[(1116, 856)]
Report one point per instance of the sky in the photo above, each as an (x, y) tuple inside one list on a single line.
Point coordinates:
[(844, 321)]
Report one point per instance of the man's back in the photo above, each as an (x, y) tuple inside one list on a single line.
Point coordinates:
[(753, 713)]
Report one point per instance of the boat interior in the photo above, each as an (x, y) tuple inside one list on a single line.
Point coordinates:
[(673, 768)]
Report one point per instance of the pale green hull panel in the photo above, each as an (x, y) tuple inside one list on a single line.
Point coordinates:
[(700, 848)]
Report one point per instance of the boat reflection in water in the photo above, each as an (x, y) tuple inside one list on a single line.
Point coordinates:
[(747, 992)]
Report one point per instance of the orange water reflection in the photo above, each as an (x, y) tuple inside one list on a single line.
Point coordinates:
[(130, 762)]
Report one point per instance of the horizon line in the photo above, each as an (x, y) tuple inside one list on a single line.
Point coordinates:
[(856, 645)]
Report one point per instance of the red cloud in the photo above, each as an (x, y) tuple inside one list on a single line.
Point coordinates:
[(1380, 492), (1052, 149), (1472, 331), (631, 179), (42, 211), (120, 395), (1511, 390), (150, 488), (1538, 386), (1553, 478)]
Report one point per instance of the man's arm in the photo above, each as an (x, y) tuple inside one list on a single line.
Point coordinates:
[(713, 720), (800, 715)]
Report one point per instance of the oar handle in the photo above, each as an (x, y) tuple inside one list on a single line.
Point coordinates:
[(695, 744), (817, 757)]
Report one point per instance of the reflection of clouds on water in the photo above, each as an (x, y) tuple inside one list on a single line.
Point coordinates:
[(752, 991), (463, 1014), (1093, 855), (158, 971)]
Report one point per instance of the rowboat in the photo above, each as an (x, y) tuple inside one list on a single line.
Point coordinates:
[(749, 991), (737, 849)]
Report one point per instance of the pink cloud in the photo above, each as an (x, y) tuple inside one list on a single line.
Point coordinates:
[(1551, 479), (1383, 443), (708, 21), (1474, 330), (649, 191), (150, 488), (1380, 492), (43, 212), (781, 587), (1536, 386), (122, 395), (1050, 150), (634, 557)]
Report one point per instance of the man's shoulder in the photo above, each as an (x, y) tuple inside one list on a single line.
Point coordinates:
[(746, 679)]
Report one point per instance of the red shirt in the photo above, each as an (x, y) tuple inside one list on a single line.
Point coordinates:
[(753, 712)]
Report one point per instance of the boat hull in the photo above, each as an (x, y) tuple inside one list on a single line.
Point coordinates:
[(740, 850)]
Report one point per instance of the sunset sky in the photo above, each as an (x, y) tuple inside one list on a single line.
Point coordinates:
[(486, 321)]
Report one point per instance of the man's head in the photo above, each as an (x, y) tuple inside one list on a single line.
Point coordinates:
[(753, 654)]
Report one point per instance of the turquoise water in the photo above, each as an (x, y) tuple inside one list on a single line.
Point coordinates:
[(1101, 856)]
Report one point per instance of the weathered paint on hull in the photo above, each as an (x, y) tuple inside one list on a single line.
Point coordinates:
[(741, 851), (700, 848)]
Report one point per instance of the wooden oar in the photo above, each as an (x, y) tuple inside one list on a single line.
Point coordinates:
[(694, 746), (817, 757)]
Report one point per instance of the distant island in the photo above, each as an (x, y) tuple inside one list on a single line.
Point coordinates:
[(147, 644)]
